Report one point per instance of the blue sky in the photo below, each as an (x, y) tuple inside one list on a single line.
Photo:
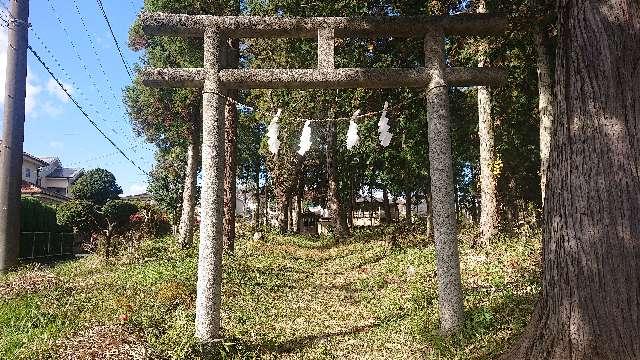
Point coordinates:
[(54, 126)]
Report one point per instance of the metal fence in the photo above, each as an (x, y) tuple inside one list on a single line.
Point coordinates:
[(44, 245)]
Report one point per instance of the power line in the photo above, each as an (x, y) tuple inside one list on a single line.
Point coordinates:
[(101, 66), (61, 85), (93, 123), (113, 35)]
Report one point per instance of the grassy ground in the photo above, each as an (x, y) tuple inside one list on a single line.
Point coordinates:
[(284, 297)]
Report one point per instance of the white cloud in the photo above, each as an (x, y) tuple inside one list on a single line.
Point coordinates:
[(54, 89), (135, 189), (52, 110), (33, 89), (56, 144)]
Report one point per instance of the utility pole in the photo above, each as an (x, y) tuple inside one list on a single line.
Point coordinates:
[(13, 133)]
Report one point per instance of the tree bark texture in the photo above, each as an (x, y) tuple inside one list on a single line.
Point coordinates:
[(450, 300), (545, 105), (230, 166), (488, 193), (336, 211), (211, 245), (590, 305), (187, 217)]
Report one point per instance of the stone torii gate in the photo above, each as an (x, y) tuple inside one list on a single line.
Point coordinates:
[(216, 79)]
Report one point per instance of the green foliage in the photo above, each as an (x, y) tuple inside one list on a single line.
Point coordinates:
[(37, 217), (118, 212), (81, 215), (166, 182), (97, 186)]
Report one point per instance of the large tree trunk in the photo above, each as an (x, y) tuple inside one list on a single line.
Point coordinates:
[(336, 211), (545, 105), (185, 233), (230, 137), (488, 196), (590, 305)]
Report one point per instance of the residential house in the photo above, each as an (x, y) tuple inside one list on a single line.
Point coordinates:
[(46, 178), (55, 178)]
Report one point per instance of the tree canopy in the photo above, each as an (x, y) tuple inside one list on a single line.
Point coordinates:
[(97, 186)]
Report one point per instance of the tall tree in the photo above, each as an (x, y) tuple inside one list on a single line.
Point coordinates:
[(189, 196), (488, 191), (335, 206), (170, 118), (166, 183), (589, 307), (231, 149)]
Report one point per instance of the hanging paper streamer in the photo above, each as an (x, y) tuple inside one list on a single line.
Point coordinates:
[(305, 139), (383, 127), (352, 133), (273, 131)]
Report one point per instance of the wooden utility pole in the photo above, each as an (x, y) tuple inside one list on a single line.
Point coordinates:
[(13, 133)]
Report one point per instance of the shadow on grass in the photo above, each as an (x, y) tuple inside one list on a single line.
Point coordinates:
[(240, 348)]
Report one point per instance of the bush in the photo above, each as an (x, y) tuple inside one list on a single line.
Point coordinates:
[(97, 186), (79, 215)]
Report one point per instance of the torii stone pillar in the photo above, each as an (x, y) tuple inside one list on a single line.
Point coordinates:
[(209, 288), (435, 76), (445, 227)]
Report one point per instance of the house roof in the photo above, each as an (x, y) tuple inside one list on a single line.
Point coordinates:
[(49, 159), (64, 173), (30, 189)]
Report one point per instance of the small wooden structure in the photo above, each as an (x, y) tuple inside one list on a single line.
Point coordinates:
[(369, 211), (309, 223)]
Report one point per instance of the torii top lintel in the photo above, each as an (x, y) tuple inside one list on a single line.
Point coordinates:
[(326, 29), (158, 23)]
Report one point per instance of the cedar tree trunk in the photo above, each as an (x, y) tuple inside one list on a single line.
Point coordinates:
[(185, 232), (230, 137), (488, 196), (590, 305), (336, 211)]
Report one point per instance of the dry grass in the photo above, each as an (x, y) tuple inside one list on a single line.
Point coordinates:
[(284, 297)]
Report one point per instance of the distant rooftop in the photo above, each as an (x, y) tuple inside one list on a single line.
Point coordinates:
[(30, 189), (64, 173)]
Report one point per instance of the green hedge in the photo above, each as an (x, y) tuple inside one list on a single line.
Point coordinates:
[(37, 217), (51, 240)]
